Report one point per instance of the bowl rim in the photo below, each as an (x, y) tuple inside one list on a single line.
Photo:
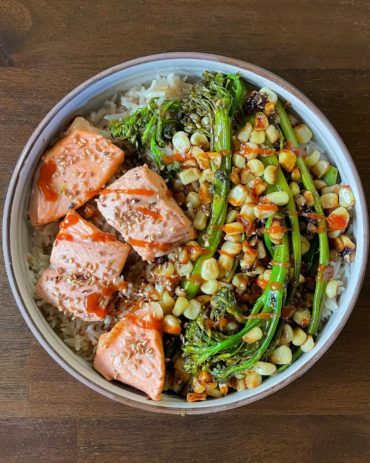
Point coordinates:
[(9, 202)]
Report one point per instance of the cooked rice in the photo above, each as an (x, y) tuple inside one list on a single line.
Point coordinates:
[(81, 336)]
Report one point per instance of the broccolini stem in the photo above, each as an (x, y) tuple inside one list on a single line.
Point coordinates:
[(212, 236), (274, 302), (267, 299), (308, 183), (282, 185)]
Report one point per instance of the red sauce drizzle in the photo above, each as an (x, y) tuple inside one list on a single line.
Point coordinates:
[(146, 211), (276, 229), (130, 191), (245, 149), (169, 159), (93, 305), (151, 324), (149, 244), (225, 253), (62, 236), (101, 236), (107, 291), (44, 182), (71, 219), (336, 222)]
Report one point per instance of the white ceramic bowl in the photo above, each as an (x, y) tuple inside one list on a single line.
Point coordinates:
[(16, 231)]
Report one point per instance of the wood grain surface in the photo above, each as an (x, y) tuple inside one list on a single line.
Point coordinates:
[(48, 47)]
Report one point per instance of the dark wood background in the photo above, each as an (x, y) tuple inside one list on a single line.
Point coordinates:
[(46, 49)]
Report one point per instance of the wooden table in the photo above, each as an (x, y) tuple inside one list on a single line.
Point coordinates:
[(49, 47)]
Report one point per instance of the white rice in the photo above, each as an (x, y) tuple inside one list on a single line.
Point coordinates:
[(119, 105), (81, 336)]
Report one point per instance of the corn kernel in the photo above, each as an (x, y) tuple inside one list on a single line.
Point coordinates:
[(264, 211), (226, 262), (193, 199), (180, 305), (330, 189), (308, 196), (253, 335), (264, 368), (189, 175), (260, 121), (270, 174), (197, 387), (253, 380), (209, 287), (269, 109), (296, 174), (303, 133), (238, 160), (231, 215), (302, 317), (312, 159), (234, 238), (346, 197), (240, 384), (272, 134), (247, 212), (199, 139), (245, 132), (181, 142), (257, 136), (287, 159), (246, 176), (209, 270), (167, 302), (233, 249), (329, 200), (280, 198), (294, 188), (319, 184), (308, 345), (185, 269), (332, 288), (233, 228), (194, 250), (237, 195), (338, 219), (256, 167), (240, 281), (320, 168), (171, 325), (193, 309), (156, 310), (180, 292), (200, 220), (201, 157), (286, 335), (270, 95), (282, 355), (299, 336)]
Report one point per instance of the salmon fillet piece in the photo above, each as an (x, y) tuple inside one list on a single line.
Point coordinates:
[(139, 205), (71, 172), (132, 352), (83, 266)]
